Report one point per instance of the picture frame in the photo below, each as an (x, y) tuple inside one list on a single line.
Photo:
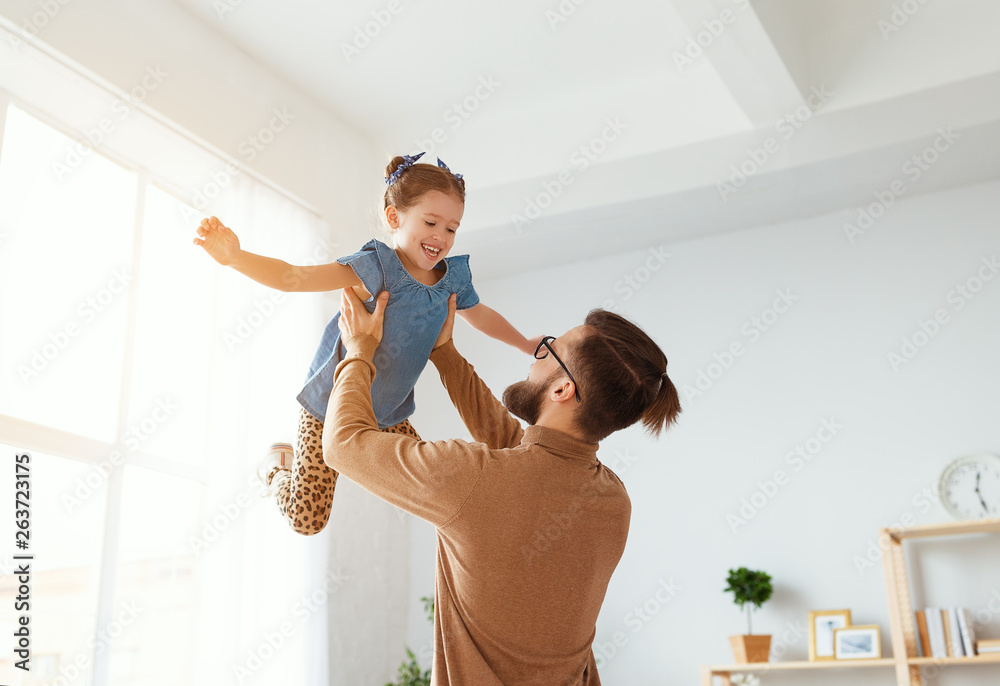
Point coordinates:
[(863, 642), (822, 624)]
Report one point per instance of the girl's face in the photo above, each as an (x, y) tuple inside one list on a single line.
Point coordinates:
[(426, 231)]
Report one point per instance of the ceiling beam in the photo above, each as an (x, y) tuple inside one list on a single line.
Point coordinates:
[(729, 35), (838, 160)]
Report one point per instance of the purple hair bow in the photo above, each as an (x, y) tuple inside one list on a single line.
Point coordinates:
[(445, 167), (408, 161)]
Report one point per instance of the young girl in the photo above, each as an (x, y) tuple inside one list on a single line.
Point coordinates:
[(423, 206)]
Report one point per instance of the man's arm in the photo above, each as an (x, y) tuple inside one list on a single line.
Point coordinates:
[(429, 479), (486, 418)]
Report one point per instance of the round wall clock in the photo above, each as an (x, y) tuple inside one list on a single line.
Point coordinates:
[(970, 487)]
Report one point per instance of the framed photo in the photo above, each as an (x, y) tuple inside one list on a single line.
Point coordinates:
[(822, 624), (858, 642)]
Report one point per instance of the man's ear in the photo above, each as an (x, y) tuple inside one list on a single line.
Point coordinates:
[(563, 392)]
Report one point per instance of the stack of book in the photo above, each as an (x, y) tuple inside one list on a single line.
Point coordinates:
[(946, 632), (988, 645)]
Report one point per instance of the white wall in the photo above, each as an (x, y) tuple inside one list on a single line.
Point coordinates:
[(825, 358)]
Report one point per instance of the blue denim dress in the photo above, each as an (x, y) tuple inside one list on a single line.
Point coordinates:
[(414, 316)]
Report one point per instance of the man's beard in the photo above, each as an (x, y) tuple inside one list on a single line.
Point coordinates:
[(524, 399)]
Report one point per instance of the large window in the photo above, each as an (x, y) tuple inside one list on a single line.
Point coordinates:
[(146, 381), (68, 301)]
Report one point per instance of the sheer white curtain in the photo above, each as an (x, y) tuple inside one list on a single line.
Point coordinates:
[(266, 588), (147, 381)]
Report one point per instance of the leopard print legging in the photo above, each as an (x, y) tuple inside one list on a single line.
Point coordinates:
[(305, 494)]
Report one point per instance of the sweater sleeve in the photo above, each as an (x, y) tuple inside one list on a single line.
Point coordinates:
[(431, 480), (485, 417)]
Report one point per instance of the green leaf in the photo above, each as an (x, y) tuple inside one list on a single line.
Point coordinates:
[(749, 587)]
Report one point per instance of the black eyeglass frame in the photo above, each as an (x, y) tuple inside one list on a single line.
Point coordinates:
[(545, 343)]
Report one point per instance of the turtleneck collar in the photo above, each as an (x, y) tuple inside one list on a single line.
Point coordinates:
[(559, 443)]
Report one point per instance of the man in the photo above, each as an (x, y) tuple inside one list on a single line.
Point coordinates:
[(530, 524)]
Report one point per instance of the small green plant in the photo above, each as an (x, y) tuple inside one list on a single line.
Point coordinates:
[(750, 589), (409, 673)]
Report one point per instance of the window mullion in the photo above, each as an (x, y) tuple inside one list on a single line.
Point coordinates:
[(3, 122), (109, 561)]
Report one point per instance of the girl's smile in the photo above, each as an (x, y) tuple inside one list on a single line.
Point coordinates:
[(425, 233)]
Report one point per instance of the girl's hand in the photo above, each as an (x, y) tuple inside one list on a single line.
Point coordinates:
[(218, 240), (533, 345)]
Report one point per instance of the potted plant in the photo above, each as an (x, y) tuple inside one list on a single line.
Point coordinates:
[(409, 673), (750, 589)]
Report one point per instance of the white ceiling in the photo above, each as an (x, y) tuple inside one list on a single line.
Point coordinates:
[(555, 84)]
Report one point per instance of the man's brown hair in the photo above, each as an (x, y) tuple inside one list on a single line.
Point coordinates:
[(622, 377)]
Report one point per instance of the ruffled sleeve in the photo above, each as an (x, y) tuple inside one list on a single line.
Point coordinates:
[(365, 263), (461, 281)]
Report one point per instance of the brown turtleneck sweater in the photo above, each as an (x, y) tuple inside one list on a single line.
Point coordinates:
[(530, 526)]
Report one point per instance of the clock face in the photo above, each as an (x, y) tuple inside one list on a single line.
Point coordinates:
[(970, 487)]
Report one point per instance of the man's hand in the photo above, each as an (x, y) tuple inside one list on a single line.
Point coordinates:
[(355, 320), (449, 324)]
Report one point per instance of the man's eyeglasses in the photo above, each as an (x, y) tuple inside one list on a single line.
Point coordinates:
[(543, 350)]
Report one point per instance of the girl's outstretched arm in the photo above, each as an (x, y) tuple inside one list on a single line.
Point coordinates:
[(493, 324), (223, 246)]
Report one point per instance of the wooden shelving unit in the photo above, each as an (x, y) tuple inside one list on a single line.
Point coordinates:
[(901, 619), (725, 672)]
